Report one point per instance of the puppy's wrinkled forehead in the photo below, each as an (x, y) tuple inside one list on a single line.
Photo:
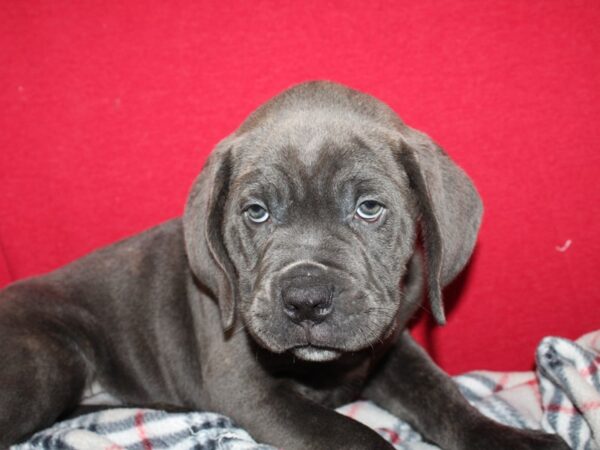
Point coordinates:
[(312, 152)]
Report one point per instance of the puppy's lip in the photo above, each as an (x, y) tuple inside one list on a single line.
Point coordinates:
[(314, 353), (316, 345)]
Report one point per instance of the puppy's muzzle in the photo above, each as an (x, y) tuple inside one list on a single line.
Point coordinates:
[(307, 294)]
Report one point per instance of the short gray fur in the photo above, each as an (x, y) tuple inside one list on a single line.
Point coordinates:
[(272, 323)]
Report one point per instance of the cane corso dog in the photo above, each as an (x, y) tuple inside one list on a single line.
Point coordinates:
[(285, 289)]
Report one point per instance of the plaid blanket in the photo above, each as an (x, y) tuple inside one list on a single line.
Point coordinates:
[(562, 396)]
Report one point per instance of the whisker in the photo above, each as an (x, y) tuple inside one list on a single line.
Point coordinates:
[(243, 327)]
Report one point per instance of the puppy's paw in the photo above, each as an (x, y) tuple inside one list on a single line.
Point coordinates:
[(531, 439), (354, 441), (375, 444), (332, 432), (500, 437)]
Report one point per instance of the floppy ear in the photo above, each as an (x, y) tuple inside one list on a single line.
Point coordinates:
[(450, 211), (202, 226)]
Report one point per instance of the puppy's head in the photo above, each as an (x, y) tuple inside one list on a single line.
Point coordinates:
[(304, 221)]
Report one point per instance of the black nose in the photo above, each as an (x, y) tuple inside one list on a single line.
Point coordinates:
[(308, 303)]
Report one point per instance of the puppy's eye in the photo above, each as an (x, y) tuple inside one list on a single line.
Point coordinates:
[(257, 213), (370, 210)]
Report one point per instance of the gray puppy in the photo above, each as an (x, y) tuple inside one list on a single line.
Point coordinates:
[(284, 291)]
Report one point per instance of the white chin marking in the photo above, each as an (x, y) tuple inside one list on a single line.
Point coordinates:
[(316, 354)]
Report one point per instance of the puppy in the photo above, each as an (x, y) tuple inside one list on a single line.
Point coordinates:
[(284, 290)]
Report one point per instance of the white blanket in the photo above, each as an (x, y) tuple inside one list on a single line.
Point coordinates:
[(562, 396)]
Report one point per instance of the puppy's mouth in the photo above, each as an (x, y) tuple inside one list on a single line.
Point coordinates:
[(313, 350), (315, 354)]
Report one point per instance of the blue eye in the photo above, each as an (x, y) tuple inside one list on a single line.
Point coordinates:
[(256, 213), (370, 210)]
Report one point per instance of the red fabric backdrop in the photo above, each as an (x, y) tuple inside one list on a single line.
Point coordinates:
[(110, 108)]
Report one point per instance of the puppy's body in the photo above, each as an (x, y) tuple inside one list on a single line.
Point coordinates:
[(283, 292)]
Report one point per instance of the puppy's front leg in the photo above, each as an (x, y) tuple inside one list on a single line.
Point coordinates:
[(292, 422), (42, 369), (411, 386), (273, 413)]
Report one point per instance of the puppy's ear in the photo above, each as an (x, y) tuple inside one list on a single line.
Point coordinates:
[(450, 211), (203, 223)]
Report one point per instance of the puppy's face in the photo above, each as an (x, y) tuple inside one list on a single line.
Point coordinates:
[(319, 225), (303, 221)]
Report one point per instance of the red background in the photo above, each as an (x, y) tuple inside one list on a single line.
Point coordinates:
[(110, 108)]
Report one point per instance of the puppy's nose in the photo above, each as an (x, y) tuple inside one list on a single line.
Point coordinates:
[(310, 303)]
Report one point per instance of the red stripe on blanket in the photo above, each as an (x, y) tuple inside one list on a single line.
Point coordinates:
[(592, 368), (353, 410), (553, 407), (535, 387), (394, 437), (588, 406), (584, 407), (139, 426), (501, 382)]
